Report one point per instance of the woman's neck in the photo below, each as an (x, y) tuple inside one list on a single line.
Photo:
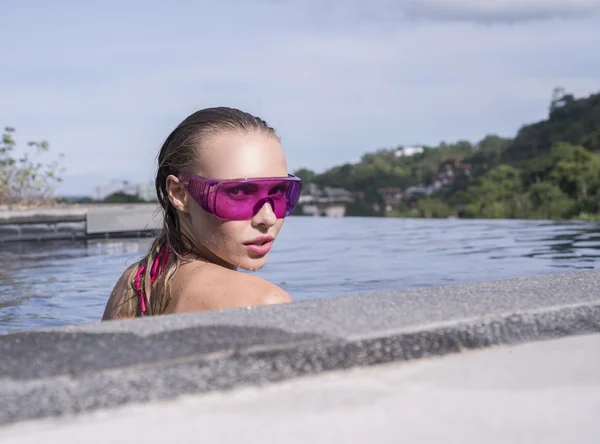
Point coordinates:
[(202, 253)]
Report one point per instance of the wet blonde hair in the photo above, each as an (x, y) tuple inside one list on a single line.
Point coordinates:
[(178, 154)]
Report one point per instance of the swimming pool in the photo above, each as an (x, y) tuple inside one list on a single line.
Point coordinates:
[(61, 283)]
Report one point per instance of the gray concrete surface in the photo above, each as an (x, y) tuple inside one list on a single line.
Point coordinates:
[(42, 231), (77, 369), (79, 222), (542, 392), (69, 213), (124, 218)]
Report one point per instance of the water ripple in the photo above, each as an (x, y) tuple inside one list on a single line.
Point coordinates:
[(62, 283)]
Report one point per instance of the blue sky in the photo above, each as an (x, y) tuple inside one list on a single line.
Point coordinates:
[(106, 83)]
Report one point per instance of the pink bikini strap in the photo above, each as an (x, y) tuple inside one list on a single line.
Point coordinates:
[(157, 268)]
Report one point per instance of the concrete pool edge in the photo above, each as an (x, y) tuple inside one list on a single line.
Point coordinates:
[(546, 391), (76, 222), (55, 372)]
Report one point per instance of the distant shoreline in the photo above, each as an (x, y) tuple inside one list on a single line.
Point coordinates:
[(10, 215)]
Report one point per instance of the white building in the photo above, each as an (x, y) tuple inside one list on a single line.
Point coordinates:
[(147, 192), (330, 202), (409, 150)]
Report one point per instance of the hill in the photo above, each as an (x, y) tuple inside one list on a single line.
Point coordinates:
[(549, 170)]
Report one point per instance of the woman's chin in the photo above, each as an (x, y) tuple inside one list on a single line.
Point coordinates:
[(252, 264)]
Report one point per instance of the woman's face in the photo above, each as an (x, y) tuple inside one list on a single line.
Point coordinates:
[(233, 156)]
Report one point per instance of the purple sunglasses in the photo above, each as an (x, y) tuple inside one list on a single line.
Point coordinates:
[(241, 199)]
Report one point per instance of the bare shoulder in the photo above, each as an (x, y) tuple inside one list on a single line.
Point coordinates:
[(208, 287), (117, 296), (267, 292)]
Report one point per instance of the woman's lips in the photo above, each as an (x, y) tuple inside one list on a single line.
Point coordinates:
[(260, 246), (260, 250)]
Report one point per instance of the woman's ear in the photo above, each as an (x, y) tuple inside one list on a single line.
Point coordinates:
[(177, 194)]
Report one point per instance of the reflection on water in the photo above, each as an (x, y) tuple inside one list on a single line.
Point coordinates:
[(62, 283)]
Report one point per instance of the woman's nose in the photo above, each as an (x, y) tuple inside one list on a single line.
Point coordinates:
[(265, 216)]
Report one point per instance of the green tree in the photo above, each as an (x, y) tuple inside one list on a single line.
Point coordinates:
[(498, 194), (549, 202), (434, 208), (592, 141), (576, 171), (570, 120), (537, 169), (305, 174), (489, 153), (25, 180), (361, 208), (120, 197)]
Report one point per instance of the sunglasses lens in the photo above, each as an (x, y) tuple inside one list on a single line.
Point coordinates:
[(241, 200)]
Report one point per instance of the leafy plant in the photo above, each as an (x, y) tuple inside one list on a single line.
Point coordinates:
[(24, 179)]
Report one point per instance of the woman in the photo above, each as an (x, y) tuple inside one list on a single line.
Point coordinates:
[(224, 187)]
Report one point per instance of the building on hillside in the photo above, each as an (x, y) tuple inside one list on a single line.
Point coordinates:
[(310, 189), (409, 151), (329, 201), (338, 193), (417, 190), (359, 195), (392, 196)]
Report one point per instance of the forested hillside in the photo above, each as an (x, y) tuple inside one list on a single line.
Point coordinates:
[(550, 170)]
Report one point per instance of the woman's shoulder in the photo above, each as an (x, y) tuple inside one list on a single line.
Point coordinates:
[(118, 294), (202, 286)]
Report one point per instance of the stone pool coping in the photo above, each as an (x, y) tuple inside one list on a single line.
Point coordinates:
[(55, 372), (86, 221)]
